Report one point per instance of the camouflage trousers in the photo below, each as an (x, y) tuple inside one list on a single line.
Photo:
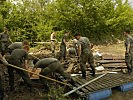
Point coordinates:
[(54, 67), (62, 52), (23, 74), (84, 58), (53, 43), (3, 47), (129, 61)]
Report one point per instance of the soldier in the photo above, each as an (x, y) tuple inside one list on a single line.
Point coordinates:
[(63, 47), (19, 58), (53, 41), (14, 46), (4, 42), (48, 66), (129, 51), (85, 54)]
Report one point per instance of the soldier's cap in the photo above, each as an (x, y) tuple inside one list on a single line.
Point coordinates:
[(76, 34)]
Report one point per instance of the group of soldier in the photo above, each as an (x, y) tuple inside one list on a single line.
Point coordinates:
[(17, 54), (129, 51), (82, 47)]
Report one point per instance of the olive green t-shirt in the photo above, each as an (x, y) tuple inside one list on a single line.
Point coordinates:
[(14, 46), (45, 62), (19, 54), (85, 44), (64, 38)]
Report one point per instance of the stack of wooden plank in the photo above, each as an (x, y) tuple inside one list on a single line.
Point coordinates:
[(112, 61)]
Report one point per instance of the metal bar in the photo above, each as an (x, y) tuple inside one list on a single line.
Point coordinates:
[(77, 84), (70, 92)]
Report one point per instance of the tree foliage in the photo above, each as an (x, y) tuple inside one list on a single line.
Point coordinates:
[(34, 20)]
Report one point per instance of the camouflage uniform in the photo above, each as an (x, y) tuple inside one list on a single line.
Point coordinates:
[(14, 46), (86, 55), (63, 48), (53, 42), (4, 42), (18, 56), (50, 65), (129, 56)]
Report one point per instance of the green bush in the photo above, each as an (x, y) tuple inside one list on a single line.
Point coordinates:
[(96, 19)]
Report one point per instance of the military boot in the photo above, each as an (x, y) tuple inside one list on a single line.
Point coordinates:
[(129, 71), (84, 74), (93, 73), (1, 95)]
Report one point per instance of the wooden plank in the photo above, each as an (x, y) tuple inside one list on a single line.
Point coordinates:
[(83, 82), (78, 84), (111, 81), (97, 84), (70, 92), (70, 67), (105, 82), (112, 57), (108, 81), (37, 72), (115, 80), (110, 61), (101, 84), (115, 65)]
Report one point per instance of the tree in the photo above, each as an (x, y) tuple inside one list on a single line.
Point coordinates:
[(96, 19)]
